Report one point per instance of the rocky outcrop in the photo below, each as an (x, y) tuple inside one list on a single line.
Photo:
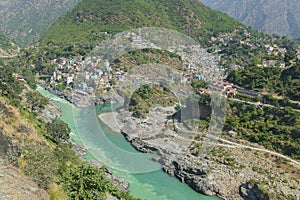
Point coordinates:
[(178, 165), (221, 172), (195, 177), (3, 145), (121, 183), (251, 191), (50, 112)]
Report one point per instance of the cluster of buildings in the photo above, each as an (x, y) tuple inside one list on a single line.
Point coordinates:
[(246, 39), (66, 69), (219, 87), (202, 66), (84, 77), (275, 50), (19, 77)]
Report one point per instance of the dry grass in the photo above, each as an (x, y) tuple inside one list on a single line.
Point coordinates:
[(11, 122)]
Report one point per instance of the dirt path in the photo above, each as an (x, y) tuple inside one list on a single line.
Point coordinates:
[(230, 144)]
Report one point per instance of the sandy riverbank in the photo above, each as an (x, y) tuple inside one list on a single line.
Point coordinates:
[(109, 120)]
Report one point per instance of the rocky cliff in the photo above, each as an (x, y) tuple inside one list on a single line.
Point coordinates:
[(270, 16)]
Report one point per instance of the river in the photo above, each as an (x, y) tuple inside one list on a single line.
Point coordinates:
[(105, 145)]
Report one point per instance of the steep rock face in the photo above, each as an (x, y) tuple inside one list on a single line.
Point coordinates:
[(251, 191), (178, 165), (3, 144), (25, 21), (270, 16), (195, 177)]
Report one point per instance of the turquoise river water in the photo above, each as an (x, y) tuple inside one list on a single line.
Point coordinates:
[(101, 143)]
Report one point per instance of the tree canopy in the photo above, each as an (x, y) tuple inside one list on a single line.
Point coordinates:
[(58, 130)]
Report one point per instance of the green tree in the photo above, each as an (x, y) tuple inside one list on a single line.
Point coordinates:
[(35, 101), (58, 130), (85, 182)]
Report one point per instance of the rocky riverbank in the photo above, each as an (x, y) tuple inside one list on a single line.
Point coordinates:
[(77, 97), (229, 173), (50, 112), (226, 172)]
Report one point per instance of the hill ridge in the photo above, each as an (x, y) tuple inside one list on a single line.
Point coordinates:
[(87, 22)]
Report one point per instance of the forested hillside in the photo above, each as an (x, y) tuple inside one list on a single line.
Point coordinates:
[(91, 19), (7, 48)]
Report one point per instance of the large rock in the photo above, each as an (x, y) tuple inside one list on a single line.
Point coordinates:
[(3, 145), (252, 192)]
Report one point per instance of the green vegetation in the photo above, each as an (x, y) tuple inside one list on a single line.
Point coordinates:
[(10, 87), (40, 149), (275, 80), (198, 84), (77, 179), (52, 161), (85, 182), (291, 81), (6, 44), (40, 163), (274, 128), (58, 130), (148, 96), (35, 101), (89, 182), (147, 56), (90, 20), (55, 167), (246, 47), (57, 193)]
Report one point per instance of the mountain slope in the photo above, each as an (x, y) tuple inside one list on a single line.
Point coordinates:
[(88, 21), (269, 16), (7, 48), (25, 21)]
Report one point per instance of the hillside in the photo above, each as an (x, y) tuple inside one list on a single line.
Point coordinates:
[(91, 21), (25, 21), (245, 53), (269, 16), (7, 48), (36, 159), (88, 22)]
